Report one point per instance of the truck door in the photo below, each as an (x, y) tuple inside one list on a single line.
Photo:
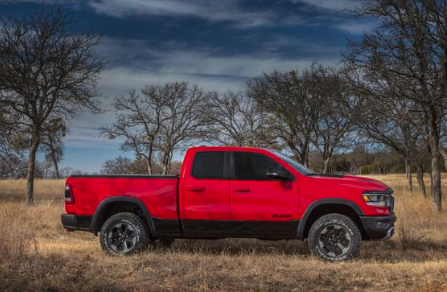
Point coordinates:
[(263, 207), (206, 194)]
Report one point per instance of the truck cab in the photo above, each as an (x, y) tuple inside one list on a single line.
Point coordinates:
[(235, 192)]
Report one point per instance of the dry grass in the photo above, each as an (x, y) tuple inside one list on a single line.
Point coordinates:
[(38, 254)]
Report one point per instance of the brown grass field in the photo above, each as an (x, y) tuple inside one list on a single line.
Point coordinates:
[(37, 254)]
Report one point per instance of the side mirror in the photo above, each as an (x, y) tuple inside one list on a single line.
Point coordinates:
[(273, 174)]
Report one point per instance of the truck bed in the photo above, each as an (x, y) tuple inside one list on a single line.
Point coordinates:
[(157, 192)]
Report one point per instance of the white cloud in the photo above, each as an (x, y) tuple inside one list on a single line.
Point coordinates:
[(82, 135), (118, 81), (244, 66), (211, 10), (175, 59), (338, 5), (357, 27), (211, 73), (214, 11)]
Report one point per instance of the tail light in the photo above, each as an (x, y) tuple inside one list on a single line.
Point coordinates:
[(69, 199)]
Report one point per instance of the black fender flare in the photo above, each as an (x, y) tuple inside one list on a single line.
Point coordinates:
[(102, 207), (331, 201)]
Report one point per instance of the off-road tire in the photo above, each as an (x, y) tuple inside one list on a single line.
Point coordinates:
[(324, 236), (138, 236)]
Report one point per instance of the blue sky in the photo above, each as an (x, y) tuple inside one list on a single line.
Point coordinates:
[(217, 44)]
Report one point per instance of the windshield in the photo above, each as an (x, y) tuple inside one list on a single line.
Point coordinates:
[(295, 164)]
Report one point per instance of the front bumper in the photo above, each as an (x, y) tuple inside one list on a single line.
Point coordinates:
[(378, 227), (72, 222)]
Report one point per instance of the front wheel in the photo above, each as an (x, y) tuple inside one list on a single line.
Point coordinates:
[(124, 234), (335, 237)]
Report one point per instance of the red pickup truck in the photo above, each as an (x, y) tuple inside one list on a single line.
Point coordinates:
[(231, 192)]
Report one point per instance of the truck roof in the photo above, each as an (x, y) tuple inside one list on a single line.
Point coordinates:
[(225, 148)]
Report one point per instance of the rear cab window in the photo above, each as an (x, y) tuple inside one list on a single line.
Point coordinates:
[(208, 165)]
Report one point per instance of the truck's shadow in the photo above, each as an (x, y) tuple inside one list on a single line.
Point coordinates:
[(242, 247), (387, 251), (411, 251)]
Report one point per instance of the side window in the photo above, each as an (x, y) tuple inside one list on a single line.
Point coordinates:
[(208, 165), (253, 166)]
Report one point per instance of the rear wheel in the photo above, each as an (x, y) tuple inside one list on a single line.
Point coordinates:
[(124, 234), (335, 237)]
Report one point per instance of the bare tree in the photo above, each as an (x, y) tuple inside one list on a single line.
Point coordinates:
[(138, 120), (378, 112), (332, 127), (46, 71), (444, 155), (303, 110), (443, 142), (236, 120), (185, 121), (118, 165), (411, 45), (159, 121), (292, 111), (68, 171), (12, 162), (10, 157), (52, 145), (14, 142), (357, 158)]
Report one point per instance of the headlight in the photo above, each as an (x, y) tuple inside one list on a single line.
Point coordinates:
[(377, 199)]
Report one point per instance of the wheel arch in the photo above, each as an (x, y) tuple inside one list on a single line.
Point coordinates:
[(104, 208), (327, 206)]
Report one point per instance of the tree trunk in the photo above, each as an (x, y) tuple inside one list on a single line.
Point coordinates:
[(326, 164), (56, 166), (409, 174), (35, 141), (436, 191), (298, 157), (436, 179), (303, 157), (444, 155), (165, 163), (148, 159), (149, 166), (420, 178)]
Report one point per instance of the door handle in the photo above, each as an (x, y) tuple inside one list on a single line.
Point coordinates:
[(196, 189), (243, 191)]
